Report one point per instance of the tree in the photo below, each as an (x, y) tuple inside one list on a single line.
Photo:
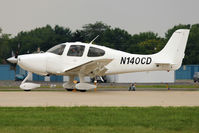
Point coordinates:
[(62, 34), (169, 33), (90, 31), (116, 38), (4, 46), (139, 43), (192, 50), (44, 38), (151, 46)]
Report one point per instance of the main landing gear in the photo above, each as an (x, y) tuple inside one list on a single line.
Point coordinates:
[(82, 86)]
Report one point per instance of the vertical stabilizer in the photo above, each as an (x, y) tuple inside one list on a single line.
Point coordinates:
[(174, 51)]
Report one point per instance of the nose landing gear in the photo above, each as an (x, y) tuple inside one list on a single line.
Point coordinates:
[(28, 86)]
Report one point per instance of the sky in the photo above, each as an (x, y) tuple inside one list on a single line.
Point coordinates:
[(134, 16)]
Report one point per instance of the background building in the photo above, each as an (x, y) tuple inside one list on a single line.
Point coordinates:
[(185, 72)]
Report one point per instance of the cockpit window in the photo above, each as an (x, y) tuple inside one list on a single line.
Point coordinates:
[(58, 49), (95, 52), (76, 50)]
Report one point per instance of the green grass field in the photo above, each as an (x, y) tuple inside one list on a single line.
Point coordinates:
[(99, 119)]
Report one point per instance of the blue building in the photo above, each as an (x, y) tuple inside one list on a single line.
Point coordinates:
[(186, 72), (6, 73)]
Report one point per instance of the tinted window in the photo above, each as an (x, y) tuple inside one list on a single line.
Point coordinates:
[(76, 50), (95, 52), (58, 49)]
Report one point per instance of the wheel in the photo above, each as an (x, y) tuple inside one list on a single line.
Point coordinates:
[(27, 90), (69, 89), (82, 90)]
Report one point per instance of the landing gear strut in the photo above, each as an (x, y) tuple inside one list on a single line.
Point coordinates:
[(69, 86), (82, 86), (28, 86)]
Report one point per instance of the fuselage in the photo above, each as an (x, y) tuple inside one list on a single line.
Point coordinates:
[(55, 62)]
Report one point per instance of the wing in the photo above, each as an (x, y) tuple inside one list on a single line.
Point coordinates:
[(91, 68)]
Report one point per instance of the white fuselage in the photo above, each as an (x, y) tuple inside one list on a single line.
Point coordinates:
[(122, 62)]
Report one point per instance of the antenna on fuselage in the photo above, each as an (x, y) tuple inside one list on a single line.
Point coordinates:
[(94, 39)]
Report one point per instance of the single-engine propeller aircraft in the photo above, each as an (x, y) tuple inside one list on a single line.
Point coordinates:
[(83, 59)]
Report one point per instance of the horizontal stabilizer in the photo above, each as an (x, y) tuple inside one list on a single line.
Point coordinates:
[(164, 63)]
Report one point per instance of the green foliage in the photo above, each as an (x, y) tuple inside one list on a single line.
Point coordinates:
[(170, 31), (192, 49), (99, 119), (90, 31), (151, 46), (146, 43), (44, 38), (4, 46), (142, 43), (116, 38)]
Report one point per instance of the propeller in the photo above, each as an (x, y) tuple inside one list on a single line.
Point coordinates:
[(14, 58)]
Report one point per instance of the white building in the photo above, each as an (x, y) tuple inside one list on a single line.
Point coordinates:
[(144, 77)]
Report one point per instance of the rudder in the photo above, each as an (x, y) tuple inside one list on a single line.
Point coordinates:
[(173, 52)]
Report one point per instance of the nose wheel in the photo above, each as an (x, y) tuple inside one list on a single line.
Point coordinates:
[(28, 86)]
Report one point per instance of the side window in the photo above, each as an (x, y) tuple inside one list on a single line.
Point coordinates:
[(95, 52), (76, 50)]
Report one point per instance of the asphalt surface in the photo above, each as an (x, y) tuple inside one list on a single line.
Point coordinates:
[(99, 98)]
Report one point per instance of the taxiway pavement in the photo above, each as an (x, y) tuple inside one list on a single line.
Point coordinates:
[(99, 98)]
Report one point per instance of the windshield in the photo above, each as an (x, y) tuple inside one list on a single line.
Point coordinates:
[(58, 49)]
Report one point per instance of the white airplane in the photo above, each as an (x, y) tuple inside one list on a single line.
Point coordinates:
[(83, 59)]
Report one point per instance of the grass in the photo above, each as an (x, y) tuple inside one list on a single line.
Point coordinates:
[(99, 119)]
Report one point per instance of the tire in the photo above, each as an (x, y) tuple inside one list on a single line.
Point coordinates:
[(82, 90), (27, 90), (69, 89)]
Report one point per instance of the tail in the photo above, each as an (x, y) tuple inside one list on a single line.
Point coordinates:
[(173, 53)]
